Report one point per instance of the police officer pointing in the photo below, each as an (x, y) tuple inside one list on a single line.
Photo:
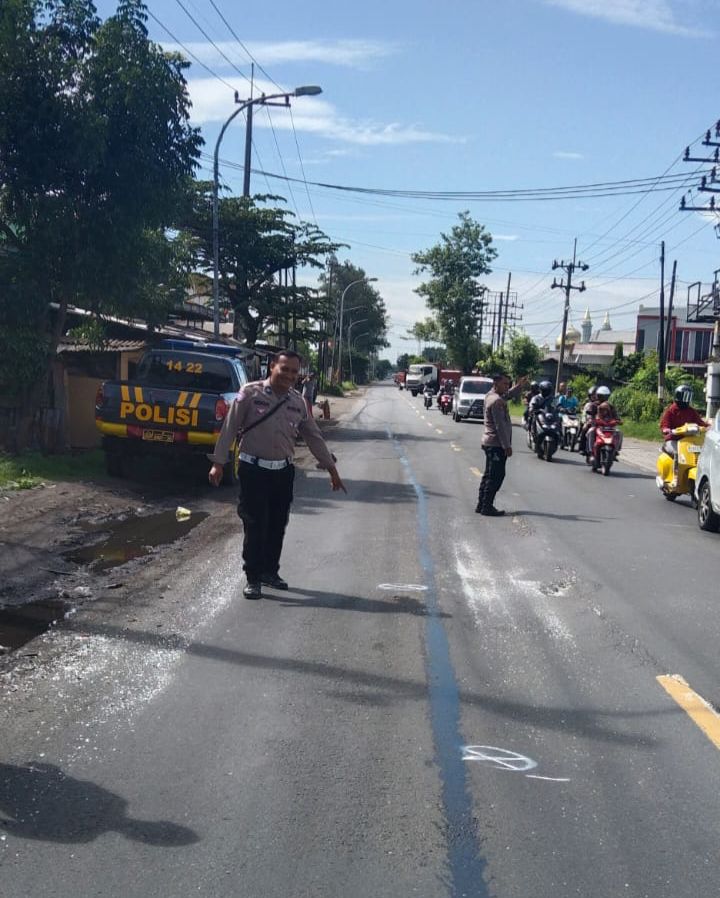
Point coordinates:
[(266, 418)]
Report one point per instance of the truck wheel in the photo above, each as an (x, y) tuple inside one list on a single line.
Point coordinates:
[(707, 519), (114, 463), (231, 471)]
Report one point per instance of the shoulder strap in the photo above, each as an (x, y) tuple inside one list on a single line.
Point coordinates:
[(264, 418)]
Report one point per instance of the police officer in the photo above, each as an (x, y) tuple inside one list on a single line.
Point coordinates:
[(496, 443), (267, 417)]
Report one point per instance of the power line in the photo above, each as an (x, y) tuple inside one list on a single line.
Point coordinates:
[(207, 37), (188, 51)]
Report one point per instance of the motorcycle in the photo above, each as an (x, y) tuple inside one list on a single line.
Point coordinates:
[(570, 431), (606, 445), (445, 403), (544, 434), (676, 476), (428, 398)]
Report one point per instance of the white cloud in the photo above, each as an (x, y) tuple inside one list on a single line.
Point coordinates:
[(213, 102), (505, 237), (351, 53), (565, 154), (656, 15)]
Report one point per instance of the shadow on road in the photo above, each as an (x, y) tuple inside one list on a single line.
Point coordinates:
[(559, 517), (314, 499), (599, 724), (312, 598), (48, 805)]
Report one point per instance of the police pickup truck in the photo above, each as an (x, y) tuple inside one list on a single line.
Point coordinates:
[(176, 404)]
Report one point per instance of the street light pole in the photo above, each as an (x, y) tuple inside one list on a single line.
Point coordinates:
[(262, 100), (349, 340), (342, 312)]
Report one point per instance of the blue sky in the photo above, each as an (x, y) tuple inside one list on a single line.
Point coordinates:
[(473, 96)]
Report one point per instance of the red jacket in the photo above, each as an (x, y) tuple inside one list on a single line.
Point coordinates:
[(674, 416)]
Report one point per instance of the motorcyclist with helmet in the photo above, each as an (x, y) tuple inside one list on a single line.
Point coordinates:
[(527, 399), (543, 398), (609, 416), (541, 402), (679, 412)]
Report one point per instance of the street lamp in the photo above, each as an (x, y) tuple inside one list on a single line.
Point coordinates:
[(350, 345), (342, 312), (308, 90), (349, 339)]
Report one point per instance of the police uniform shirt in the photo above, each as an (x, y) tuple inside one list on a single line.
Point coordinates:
[(274, 440)]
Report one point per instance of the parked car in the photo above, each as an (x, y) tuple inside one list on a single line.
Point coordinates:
[(707, 480), (173, 407), (469, 398)]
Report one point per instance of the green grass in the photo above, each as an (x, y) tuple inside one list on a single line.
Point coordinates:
[(29, 469), (642, 430)]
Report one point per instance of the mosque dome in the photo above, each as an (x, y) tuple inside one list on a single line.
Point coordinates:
[(572, 335)]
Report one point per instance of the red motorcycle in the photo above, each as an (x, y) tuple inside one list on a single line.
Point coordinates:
[(446, 403), (606, 445)]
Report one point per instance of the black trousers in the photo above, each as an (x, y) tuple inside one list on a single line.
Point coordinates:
[(264, 508), (492, 479)]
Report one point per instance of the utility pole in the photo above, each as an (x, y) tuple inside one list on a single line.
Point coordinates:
[(707, 308), (567, 286), (661, 332), (668, 324), (505, 312)]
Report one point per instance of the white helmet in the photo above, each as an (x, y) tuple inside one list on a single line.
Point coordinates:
[(603, 393)]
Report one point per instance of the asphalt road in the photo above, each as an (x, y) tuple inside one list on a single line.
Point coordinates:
[(443, 704)]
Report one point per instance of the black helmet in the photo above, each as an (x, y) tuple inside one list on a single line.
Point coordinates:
[(683, 395), (534, 385), (546, 388)]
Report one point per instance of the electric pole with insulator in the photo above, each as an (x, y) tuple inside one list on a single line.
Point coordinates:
[(566, 285)]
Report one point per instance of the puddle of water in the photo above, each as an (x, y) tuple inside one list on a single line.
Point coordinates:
[(134, 537), (21, 623)]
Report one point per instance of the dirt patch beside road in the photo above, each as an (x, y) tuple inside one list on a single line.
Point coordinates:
[(43, 528)]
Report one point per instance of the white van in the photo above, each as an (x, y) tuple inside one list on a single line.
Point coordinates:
[(469, 398)]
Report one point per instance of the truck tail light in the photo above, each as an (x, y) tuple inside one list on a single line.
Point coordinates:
[(221, 409)]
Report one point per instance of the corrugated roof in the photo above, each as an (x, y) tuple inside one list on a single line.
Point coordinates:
[(108, 346)]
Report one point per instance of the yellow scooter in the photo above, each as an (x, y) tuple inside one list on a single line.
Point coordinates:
[(676, 476)]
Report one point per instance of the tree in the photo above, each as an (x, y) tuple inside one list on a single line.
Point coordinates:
[(453, 292), (364, 313), (260, 243), (625, 367), (523, 356), (427, 331), (96, 155)]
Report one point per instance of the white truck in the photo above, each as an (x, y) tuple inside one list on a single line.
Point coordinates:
[(419, 375)]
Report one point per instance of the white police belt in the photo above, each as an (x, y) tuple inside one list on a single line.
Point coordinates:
[(276, 465)]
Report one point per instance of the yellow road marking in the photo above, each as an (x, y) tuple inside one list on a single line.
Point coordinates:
[(476, 471), (694, 706)]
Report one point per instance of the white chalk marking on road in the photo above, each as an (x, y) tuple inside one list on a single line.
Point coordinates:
[(476, 471), (429, 423), (483, 593), (504, 759), (438, 430), (500, 758), (403, 587)]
